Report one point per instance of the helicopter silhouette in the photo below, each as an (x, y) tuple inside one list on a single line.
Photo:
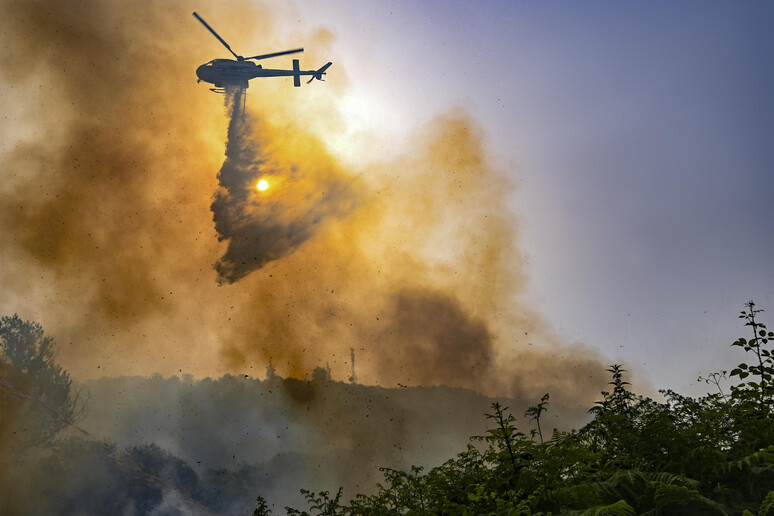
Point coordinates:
[(230, 73)]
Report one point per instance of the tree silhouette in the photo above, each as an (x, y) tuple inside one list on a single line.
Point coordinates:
[(43, 389)]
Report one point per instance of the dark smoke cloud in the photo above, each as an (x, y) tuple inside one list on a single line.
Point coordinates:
[(433, 341), (256, 224)]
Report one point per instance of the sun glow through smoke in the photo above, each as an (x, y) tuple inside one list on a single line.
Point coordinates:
[(262, 185)]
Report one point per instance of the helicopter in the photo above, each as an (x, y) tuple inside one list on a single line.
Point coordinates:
[(229, 73)]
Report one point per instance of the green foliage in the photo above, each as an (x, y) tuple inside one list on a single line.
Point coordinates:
[(762, 372), (505, 442), (619, 508), (534, 412), (262, 508), (321, 504), (767, 507), (641, 491)]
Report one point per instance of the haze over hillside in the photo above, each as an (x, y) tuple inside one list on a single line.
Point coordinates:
[(316, 434)]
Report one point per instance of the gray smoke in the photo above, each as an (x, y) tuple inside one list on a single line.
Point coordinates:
[(264, 226)]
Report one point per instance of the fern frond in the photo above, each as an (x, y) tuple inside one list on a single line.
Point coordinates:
[(672, 479), (757, 462), (619, 508), (767, 506), (690, 500)]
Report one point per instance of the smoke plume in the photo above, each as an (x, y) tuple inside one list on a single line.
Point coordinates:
[(113, 213), (264, 226)]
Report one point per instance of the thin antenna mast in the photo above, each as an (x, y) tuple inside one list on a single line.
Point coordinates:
[(353, 376)]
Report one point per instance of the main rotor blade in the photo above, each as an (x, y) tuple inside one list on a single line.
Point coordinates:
[(274, 54), (216, 35)]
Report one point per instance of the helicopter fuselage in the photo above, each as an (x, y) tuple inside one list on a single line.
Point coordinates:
[(230, 72)]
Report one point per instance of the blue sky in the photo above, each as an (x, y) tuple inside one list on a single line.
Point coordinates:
[(639, 137)]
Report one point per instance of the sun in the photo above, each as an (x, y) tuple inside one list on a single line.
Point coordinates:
[(262, 185)]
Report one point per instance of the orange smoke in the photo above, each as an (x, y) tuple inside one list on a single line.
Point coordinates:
[(414, 263), (262, 228)]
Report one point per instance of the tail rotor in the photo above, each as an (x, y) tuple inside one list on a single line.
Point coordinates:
[(319, 73)]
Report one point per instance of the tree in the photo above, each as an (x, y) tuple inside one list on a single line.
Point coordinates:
[(534, 412), (43, 389), (764, 369)]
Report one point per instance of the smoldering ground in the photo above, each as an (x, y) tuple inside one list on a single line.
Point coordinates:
[(281, 434), (110, 160)]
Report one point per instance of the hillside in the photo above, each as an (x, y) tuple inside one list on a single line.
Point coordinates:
[(317, 434)]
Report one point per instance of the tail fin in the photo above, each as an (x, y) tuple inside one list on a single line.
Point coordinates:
[(319, 73), (296, 74)]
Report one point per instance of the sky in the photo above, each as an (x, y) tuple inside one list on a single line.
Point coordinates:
[(504, 197), (639, 137)]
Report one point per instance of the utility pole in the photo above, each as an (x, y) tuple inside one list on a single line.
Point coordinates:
[(353, 376), (270, 371)]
